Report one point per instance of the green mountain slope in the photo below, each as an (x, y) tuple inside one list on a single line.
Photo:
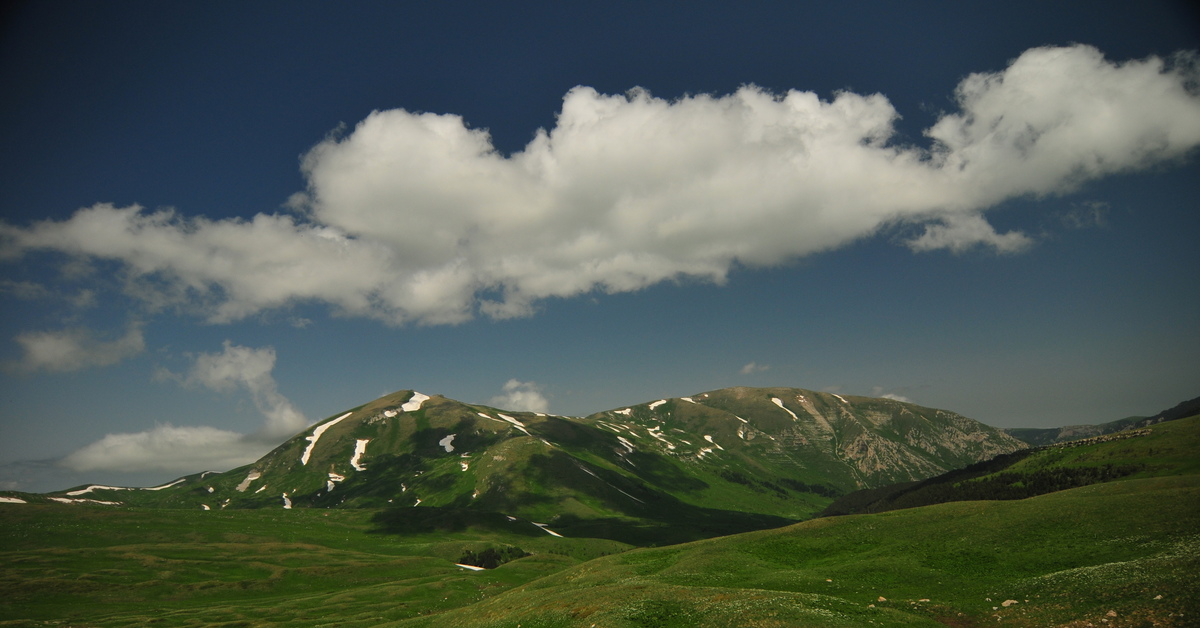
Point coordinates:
[(666, 471)]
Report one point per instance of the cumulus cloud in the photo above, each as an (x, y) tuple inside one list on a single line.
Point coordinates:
[(754, 367), (250, 369), (188, 449), (415, 217), (521, 397), (74, 349)]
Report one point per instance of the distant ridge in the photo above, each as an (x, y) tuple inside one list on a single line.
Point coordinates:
[(1048, 436)]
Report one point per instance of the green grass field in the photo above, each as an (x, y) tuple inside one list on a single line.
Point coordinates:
[(1066, 559), (1123, 553), (98, 566)]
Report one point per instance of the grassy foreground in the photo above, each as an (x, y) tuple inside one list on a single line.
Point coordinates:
[(1125, 553), (1118, 554), (99, 566)]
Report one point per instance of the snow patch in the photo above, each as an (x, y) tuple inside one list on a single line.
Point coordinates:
[(445, 443), (626, 411), (626, 443), (205, 506), (414, 402), (64, 500), (843, 400), (520, 425), (657, 403), (471, 567), (316, 435), (287, 503), (360, 448), (390, 413), (210, 489), (333, 477), (688, 399), (465, 465), (159, 488), (652, 432), (548, 530), (250, 477), (261, 489), (779, 402), (741, 419), (100, 487), (710, 439), (12, 500), (418, 502)]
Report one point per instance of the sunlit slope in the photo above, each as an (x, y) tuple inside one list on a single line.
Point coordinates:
[(1167, 448), (694, 467), (1120, 554)]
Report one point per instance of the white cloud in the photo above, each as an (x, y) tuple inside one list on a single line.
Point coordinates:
[(75, 349), (521, 397), (878, 392), (242, 367), (190, 449), (168, 448), (754, 367), (414, 217), (959, 232)]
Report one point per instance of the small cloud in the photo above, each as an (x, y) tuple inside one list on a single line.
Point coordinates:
[(521, 397), (1084, 215), (754, 367), (960, 233), (878, 392), (75, 349), (168, 448)]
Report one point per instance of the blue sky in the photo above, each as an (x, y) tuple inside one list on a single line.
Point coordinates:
[(221, 222)]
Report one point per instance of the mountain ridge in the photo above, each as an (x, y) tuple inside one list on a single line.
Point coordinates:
[(665, 470)]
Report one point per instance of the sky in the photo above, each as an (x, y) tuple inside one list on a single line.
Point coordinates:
[(221, 221)]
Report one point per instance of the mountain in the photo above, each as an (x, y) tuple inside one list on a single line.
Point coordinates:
[(664, 471), (1038, 436)]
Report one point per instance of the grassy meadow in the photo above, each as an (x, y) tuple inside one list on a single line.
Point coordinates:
[(1121, 553)]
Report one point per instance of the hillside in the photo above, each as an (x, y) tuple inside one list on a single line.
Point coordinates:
[(665, 471), (1093, 555), (1165, 448)]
